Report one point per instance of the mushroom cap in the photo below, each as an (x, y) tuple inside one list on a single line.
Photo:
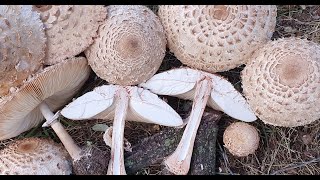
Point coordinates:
[(34, 156), (281, 82), (70, 28), (241, 139), (22, 45), (55, 85), (216, 38), (130, 47)]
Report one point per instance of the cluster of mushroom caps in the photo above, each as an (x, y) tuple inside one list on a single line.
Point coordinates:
[(125, 46)]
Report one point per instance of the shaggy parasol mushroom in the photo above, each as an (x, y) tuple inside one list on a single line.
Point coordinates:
[(128, 51), (241, 139), (204, 88), (216, 38), (70, 28), (34, 156), (49, 89), (130, 47), (281, 82), (22, 45)]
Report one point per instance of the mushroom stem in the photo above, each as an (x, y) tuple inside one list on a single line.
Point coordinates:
[(116, 164), (179, 161), (72, 148)]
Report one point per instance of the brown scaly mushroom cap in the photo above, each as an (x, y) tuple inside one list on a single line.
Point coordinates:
[(34, 156), (55, 85), (130, 47), (281, 82), (216, 38), (70, 28), (241, 139), (22, 45)]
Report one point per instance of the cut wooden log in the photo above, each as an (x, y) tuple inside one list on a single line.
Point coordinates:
[(154, 149)]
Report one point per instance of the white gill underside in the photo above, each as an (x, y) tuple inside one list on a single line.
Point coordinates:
[(144, 106), (181, 83)]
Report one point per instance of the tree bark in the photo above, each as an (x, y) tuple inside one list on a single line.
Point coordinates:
[(154, 149)]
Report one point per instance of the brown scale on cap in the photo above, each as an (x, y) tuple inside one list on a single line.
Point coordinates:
[(22, 45), (70, 28), (241, 139), (216, 38), (281, 82), (130, 47), (34, 156)]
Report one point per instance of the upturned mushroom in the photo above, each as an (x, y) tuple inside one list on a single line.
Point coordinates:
[(34, 156), (241, 139), (70, 28), (49, 89), (281, 82), (43, 93), (216, 38), (129, 50), (204, 89), (22, 45)]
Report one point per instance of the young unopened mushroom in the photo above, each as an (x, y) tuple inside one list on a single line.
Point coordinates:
[(241, 139), (22, 45), (216, 38), (281, 82), (34, 156), (204, 89), (70, 28), (128, 51)]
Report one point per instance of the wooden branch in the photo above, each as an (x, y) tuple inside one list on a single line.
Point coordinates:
[(154, 149)]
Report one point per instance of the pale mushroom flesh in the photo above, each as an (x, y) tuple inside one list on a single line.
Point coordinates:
[(205, 89), (121, 103)]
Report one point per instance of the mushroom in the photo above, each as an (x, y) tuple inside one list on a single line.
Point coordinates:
[(129, 50), (22, 45), (241, 139), (216, 38), (45, 91), (34, 156), (281, 82), (70, 28), (204, 89), (130, 46)]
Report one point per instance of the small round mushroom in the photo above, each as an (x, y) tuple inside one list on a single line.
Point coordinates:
[(130, 47), (281, 82), (70, 28), (22, 45), (52, 88), (241, 139), (216, 38), (34, 156)]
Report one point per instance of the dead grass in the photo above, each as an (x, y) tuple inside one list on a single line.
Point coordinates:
[(281, 150)]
